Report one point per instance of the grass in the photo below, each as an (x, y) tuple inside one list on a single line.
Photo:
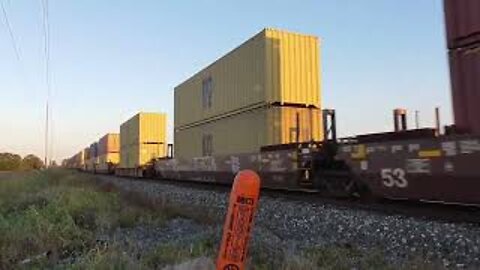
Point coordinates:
[(55, 215), (50, 213), (331, 257), (51, 219), (109, 258), (164, 255), (173, 254)]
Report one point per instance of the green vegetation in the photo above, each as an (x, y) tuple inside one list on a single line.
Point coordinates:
[(10, 162), (47, 217), (31, 162), (318, 258), (53, 219), (14, 162), (173, 254)]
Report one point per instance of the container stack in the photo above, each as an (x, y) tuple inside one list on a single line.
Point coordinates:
[(80, 160), (463, 40), (142, 138), (108, 152), (92, 162), (86, 160), (265, 92)]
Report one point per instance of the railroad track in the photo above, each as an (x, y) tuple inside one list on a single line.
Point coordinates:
[(423, 210)]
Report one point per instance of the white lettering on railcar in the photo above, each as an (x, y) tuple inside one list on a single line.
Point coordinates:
[(418, 166), (413, 147), (397, 148), (469, 146), (382, 148), (307, 174), (450, 148), (364, 165), (235, 164), (204, 164), (305, 151), (277, 166), (370, 149), (347, 149), (394, 177), (448, 166)]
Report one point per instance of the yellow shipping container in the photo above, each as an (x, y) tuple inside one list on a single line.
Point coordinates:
[(104, 160), (142, 138), (133, 156), (110, 143), (273, 67), (145, 128), (80, 159), (110, 157), (90, 164), (87, 155), (248, 131)]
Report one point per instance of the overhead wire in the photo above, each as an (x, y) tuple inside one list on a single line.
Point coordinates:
[(17, 52), (15, 45), (10, 31)]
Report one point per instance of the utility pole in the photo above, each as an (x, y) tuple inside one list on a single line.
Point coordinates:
[(417, 119), (437, 121), (46, 135), (46, 33)]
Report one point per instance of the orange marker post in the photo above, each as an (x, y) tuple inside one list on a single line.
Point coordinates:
[(239, 221)]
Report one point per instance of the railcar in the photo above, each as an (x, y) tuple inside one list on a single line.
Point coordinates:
[(414, 164), (417, 164)]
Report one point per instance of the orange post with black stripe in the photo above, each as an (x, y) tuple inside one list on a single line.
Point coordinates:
[(239, 221)]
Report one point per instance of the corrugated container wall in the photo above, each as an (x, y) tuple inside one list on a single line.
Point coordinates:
[(80, 159), (145, 128), (87, 154), (110, 143), (273, 67), (142, 138), (248, 131), (108, 151), (465, 74), (106, 159), (94, 150), (113, 158), (462, 22)]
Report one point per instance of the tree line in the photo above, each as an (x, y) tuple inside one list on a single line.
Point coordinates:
[(14, 162)]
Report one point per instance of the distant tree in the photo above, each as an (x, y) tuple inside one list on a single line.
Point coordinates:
[(10, 162), (32, 162), (53, 164)]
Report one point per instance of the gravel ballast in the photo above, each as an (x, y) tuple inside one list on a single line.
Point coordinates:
[(284, 225)]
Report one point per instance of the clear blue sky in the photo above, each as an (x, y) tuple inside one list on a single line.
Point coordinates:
[(111, 59)]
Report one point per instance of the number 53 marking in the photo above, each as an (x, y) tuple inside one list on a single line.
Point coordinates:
[(394, 177)]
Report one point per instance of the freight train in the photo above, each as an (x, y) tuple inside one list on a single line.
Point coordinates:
[(258, 108)]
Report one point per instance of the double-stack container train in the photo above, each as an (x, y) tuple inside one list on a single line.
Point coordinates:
[(142, 139), (259, 107), (108, 153)]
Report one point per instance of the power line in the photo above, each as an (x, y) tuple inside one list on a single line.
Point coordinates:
[(46, 33), (16, 46), (10, 31)]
